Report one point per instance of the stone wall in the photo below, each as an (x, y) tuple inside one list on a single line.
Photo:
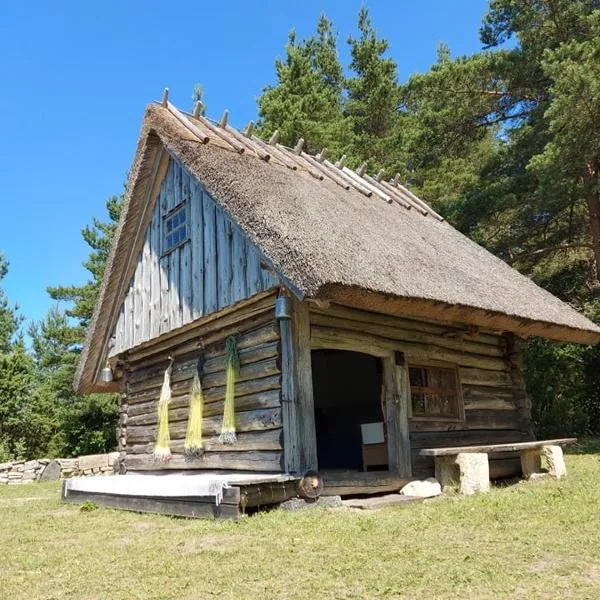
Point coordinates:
[(45, 469)]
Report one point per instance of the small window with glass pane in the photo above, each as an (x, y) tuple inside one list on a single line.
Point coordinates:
[(435, 393), (176, 230)]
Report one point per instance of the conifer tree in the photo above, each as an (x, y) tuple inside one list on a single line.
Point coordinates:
[(307, 100), (16, 379), (373, 98)]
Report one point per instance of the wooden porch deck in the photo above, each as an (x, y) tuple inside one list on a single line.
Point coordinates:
[(241, 496)]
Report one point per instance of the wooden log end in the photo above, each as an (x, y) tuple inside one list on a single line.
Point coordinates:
[(274, 137), (310, 486)]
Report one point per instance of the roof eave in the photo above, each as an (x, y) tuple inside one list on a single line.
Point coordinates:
[(456, 314)]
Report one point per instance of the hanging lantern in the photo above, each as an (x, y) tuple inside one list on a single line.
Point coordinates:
[(283, 308), (106, 375)]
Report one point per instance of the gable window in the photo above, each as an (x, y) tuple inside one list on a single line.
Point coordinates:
[(176, 230), (435, 393)]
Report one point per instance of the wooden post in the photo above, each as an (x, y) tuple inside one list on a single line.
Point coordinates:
[(397, 397), (299, 433), (521, 398)]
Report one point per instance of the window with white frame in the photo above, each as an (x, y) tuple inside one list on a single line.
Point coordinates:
[(176, 230)]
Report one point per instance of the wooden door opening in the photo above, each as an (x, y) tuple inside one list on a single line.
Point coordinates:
[(347, 389)]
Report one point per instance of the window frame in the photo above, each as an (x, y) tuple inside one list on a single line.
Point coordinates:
[(181, 206), (460, 405)]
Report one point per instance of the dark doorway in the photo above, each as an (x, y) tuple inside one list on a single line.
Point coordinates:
[(347, 394)]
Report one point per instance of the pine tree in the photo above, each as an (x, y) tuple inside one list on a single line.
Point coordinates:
[(79, 424), (99, 237), (307, 100), (373, 99), (16, 379)]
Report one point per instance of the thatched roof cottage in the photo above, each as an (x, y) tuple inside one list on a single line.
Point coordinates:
[(393, 331)]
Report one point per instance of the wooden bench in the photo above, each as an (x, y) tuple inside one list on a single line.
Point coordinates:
[(471, 463)]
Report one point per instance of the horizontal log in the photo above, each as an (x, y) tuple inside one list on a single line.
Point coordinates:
[(184, 372), (266, 462), (255, 420), (537, 445), (499, 468), (492, 419), (397, 333), (189, 363), (419, 440), (261, 329), (474, 419), (365, 316), (263, 399), (247, 356), (254, 337), (476, 376), (197, 508), (254, 496), (269, 399), (211, 395), (343, 339), (344, 483), (265, 368), (491, 398), (271, 439), (232, 320)]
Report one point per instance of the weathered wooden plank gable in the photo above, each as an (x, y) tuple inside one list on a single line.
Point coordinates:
[(215, 268)]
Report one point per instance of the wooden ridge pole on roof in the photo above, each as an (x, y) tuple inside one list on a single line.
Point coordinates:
[(397, 193), (299, 161), (187, 123), (218, 131), (165, 98), (327, 172), (416, 199), (224, 119), (275, 153), (356, 184), (373, 188), (393, 194), (249, 129), (250, 144), (340, 163)]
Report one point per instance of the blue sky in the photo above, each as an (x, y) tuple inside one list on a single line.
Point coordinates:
[(75, 78)]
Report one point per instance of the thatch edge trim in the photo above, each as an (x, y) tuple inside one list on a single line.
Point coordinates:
[(454, 314), (144, 164)]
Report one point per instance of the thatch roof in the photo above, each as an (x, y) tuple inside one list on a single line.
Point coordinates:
[(333, 234)]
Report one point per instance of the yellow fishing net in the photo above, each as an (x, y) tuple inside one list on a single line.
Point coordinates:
[(228, 434)]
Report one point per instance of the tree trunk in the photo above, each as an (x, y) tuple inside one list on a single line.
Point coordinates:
[(592, 197)]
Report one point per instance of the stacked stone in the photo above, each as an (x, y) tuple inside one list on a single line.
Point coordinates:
[(20, 471)]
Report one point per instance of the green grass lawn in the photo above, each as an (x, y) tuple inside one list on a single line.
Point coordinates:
[(530, 540)]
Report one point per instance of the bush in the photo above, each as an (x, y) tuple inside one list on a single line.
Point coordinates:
[(563, 381)]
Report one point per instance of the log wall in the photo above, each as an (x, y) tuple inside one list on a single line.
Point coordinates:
[(217, 267), (496, 406), (257, 393)]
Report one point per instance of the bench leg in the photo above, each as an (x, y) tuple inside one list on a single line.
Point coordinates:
[(474, 472), (556, 461), (445, 471), (531, 462)]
